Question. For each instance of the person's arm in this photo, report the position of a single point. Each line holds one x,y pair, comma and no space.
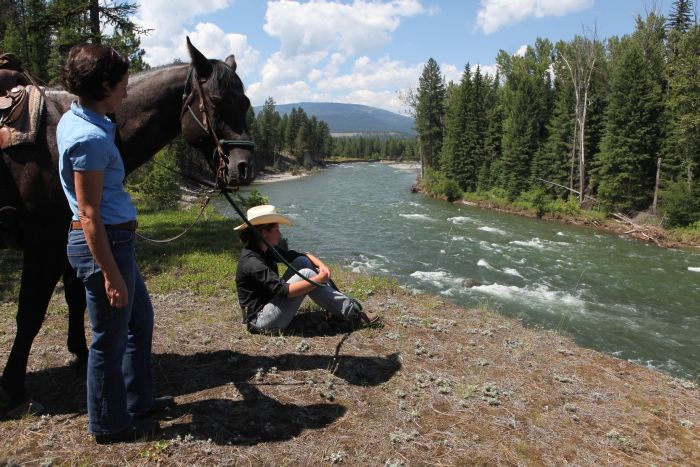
88,191
320,265
303,287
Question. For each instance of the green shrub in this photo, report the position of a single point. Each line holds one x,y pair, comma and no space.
536,199
436,184
568,207
254,198
155,184
680,205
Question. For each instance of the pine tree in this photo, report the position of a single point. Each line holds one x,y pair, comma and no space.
128,43
526,99
267,124
682,145
452,162
493,136
630,146
301,143
12,40
430,104
475,132
681,17
552,161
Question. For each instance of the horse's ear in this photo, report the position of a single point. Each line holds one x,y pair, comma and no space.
231,61
199,61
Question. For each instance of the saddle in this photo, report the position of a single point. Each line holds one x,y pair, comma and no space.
11,73
21,110
21,105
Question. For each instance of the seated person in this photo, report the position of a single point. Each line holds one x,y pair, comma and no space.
270,302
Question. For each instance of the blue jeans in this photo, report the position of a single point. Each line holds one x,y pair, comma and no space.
119,377
280,311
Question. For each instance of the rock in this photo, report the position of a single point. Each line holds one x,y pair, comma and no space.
471,282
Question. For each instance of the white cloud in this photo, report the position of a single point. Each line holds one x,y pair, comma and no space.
487,69
450,72
369,82
325,52
522,50
165,18
166,41
494,14
317,39
355,28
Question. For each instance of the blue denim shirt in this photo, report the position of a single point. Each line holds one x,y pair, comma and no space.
86,142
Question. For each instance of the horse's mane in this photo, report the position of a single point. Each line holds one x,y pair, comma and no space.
222,76
142,75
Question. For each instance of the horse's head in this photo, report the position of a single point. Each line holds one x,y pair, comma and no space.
213,117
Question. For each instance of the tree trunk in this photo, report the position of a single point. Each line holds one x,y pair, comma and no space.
656,186
574,140
582,151
95,22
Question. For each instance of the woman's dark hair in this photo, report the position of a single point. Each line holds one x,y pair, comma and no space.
90,65
247,236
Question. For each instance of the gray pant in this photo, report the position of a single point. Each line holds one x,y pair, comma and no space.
280,311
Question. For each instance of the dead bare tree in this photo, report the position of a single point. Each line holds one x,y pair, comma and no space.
581,60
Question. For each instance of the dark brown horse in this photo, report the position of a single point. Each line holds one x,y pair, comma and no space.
199,100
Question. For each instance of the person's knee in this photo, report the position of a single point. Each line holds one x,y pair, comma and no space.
307,272
301,262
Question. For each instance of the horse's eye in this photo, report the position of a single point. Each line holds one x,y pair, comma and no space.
216,99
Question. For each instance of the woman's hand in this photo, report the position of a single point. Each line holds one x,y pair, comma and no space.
322,276
117,293
88,191
323,269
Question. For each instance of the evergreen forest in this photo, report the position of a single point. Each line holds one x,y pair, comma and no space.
607,124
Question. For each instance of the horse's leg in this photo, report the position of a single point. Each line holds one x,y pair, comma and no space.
42,268
75,297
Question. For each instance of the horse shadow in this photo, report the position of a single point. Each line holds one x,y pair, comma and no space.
249,416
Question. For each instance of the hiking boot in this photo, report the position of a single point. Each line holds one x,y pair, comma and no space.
367,318
159,405
137,430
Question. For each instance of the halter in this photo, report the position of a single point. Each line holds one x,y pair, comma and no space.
219,156
219,159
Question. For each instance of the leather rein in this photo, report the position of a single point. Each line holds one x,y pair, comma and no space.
221,167
219,159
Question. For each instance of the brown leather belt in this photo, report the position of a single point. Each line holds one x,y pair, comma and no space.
131,226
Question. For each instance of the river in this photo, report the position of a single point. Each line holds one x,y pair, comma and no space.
616,295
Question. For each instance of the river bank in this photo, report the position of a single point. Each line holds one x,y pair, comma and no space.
648,233
437,383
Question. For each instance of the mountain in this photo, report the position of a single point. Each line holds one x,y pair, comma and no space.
351,119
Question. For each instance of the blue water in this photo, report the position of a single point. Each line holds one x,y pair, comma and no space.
620,296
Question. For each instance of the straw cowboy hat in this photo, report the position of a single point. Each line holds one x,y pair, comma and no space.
264,214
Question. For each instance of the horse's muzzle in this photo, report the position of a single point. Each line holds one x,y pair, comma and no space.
241,167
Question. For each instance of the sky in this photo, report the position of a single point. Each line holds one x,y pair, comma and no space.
367,51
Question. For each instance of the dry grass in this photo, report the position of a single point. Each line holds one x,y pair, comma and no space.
436,385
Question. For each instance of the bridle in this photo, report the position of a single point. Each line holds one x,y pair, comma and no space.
219,160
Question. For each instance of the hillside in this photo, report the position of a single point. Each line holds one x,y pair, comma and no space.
353,118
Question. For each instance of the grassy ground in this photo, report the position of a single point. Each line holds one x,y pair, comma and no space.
436,385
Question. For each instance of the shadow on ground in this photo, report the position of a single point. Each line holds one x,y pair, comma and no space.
315,324
249,416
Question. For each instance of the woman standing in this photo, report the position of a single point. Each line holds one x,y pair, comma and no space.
101,249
